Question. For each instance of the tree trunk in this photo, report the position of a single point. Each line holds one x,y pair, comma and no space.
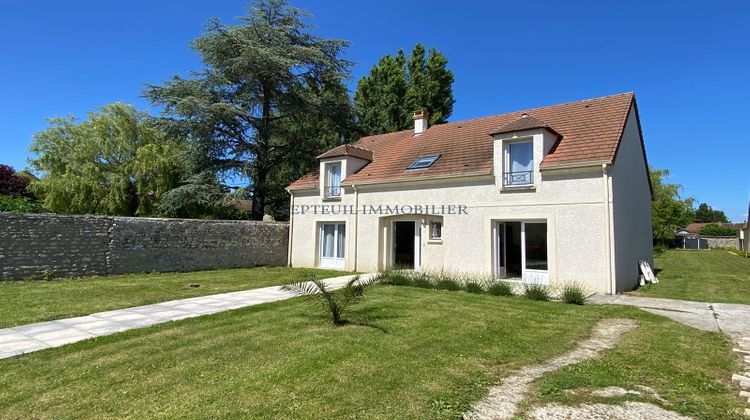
261,169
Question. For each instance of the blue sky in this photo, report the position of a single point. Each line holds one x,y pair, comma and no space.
688,63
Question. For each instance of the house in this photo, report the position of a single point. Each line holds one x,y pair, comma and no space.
704,241
548,195
694,229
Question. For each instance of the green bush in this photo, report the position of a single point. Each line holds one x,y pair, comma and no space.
714,229
573,293
447,283
500,289
474,287
535,291
18,204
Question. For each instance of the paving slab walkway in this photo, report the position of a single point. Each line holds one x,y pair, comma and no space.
33,337
731,319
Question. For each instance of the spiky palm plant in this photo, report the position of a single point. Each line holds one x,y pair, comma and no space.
334,302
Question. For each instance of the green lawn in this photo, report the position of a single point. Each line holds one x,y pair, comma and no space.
705,276
23,302
412,353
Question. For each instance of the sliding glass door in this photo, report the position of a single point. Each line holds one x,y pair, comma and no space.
521,251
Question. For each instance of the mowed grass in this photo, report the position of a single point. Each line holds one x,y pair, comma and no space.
410,353
23,302
706,276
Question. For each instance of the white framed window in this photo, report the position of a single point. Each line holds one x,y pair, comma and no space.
436,231
332,186
519,164
332,245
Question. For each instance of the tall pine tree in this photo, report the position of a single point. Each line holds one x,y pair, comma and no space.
385,99
268,90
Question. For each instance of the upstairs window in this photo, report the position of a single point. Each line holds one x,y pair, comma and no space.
332,180
519,164
423,162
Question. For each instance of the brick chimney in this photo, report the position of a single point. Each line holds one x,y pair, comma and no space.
420,121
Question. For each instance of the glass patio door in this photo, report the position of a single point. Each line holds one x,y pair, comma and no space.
332,245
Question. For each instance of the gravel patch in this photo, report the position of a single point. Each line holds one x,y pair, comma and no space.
503,399
626,411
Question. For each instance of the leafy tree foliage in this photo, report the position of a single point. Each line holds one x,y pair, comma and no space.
18,204
268,91
705,214
430,85
714,229
669,210
385,99
200,197
13,184
116,163
380,98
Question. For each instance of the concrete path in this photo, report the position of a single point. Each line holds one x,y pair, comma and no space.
731,319
32,337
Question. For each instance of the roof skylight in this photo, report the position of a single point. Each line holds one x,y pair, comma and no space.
423,162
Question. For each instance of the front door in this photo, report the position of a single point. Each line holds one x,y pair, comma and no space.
406,240
332,245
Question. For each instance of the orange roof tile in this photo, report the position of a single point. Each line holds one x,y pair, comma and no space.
590,132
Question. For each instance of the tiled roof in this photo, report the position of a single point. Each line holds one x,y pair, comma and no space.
348,150
695,228
590,132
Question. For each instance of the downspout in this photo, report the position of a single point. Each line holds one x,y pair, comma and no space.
356,220
608,235
291,229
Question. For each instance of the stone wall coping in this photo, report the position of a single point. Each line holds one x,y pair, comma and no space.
155,219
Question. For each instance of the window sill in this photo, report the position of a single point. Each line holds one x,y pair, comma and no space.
435,241
332,198
518,188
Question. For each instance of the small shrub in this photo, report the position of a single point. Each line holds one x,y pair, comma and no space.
48,274
536,292
474,287
398,278
447,283
573,293
334,302
422,280
500,289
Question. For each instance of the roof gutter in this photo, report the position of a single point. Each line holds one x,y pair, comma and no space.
608,230
595,163
356,223
291,228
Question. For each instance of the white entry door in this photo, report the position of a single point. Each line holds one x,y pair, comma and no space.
332,245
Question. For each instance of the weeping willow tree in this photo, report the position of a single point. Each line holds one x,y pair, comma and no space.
114,163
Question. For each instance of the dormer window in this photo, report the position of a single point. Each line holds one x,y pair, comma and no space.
519,164
332,188
423,162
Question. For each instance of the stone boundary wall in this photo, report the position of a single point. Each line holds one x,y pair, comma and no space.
722,241
50,245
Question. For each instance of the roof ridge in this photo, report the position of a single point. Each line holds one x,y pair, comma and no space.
539,107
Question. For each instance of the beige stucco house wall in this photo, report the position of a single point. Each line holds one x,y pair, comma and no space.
597,217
